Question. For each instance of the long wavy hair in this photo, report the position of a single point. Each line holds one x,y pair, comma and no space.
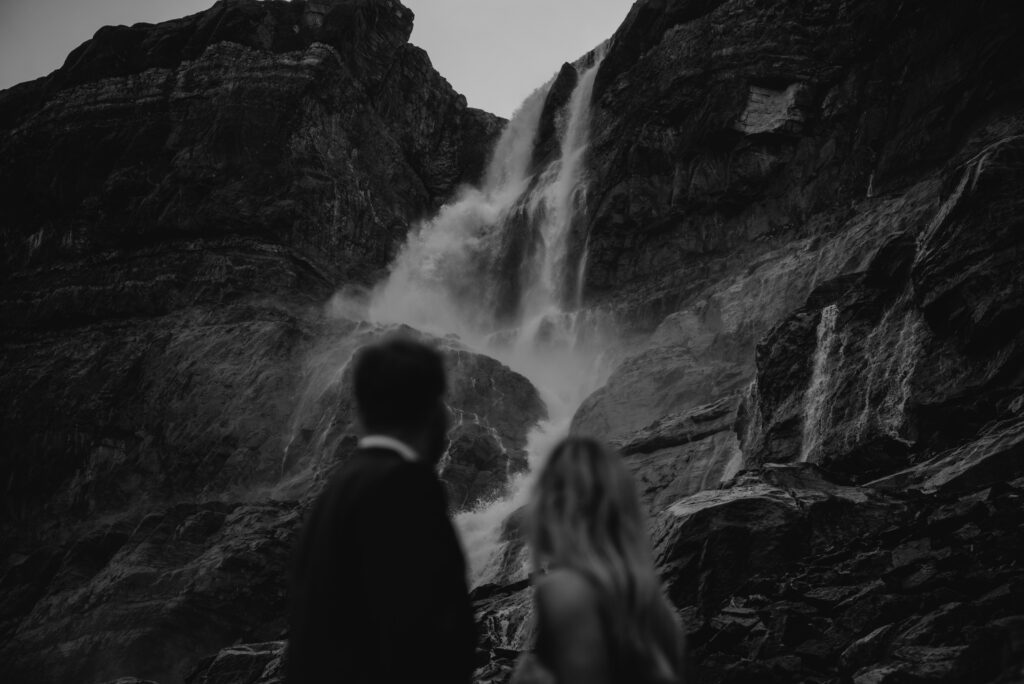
585,516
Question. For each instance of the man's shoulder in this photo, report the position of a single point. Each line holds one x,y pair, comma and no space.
378,468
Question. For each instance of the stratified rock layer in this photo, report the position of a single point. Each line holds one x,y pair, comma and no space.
238,121
181,200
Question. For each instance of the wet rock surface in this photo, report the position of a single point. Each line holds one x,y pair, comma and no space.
492,407
867,381
242,664
479,466
934,595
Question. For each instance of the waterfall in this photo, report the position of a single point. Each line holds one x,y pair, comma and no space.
562,192
496,266
442,280
448,276
816,398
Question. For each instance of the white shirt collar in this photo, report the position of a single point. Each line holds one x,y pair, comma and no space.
390,443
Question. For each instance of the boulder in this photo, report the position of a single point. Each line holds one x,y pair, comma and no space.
477,467
928,598
242,664
660,382
493,410
710,543
666,475
504,616
683,454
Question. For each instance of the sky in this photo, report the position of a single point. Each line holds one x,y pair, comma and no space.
495,52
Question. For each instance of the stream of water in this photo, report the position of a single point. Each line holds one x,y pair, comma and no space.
449,278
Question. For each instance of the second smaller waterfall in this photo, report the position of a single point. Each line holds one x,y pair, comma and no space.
816,398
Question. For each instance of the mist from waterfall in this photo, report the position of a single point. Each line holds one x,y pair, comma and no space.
453,276
440,280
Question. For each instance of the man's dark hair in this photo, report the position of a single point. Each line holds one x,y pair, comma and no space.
398,383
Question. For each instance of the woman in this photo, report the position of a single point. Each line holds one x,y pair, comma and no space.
601,615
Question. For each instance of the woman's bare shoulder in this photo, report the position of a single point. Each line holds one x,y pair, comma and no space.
566,595
571,635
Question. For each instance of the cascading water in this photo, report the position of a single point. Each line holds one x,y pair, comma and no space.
561,193
449,278
816,399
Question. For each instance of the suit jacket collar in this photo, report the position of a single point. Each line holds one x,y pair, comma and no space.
391,444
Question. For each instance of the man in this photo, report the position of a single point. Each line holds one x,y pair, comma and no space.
379,587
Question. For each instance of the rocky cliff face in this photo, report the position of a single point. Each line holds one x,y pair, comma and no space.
807,214
806,217
182,200
823,199
238,122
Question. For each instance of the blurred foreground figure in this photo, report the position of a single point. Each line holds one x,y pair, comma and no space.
379,586
601,615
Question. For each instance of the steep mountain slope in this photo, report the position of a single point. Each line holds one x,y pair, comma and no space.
182,200
810,212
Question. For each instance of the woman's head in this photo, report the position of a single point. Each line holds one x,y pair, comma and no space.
585,511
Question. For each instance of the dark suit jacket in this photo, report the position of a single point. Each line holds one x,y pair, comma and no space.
378,592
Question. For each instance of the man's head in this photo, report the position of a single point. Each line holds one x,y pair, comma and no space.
399,388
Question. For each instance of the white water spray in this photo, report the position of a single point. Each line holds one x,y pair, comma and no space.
439,282
449,278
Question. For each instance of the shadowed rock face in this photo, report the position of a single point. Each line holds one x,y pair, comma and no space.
724,129
182,199
172,540
919,355
149,596
922,593
808,214
238,121
712,542
827,217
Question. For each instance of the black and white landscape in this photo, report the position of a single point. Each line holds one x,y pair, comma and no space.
772,251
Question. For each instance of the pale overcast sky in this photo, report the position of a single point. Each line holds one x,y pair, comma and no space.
493,51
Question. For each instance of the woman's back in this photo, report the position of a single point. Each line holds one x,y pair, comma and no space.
578,641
